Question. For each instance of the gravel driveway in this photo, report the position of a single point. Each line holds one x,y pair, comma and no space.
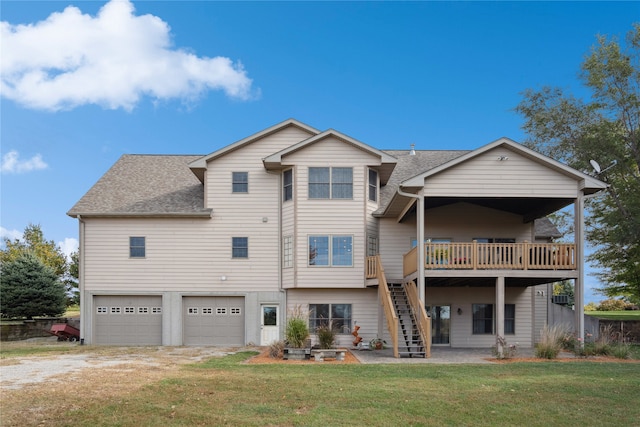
17,371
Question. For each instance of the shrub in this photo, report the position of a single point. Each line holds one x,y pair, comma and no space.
508,350
585,351
621,351
326,335
570,342
612,305
276,349
297,330
591,307
551,341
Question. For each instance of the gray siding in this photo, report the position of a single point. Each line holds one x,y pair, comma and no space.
461,324
364,305
485,176
329,216
255,215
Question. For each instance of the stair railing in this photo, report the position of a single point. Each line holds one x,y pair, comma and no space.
387,305
422,320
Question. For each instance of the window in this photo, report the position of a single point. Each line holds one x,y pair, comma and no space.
136,247
319,183
330,183
116,310
509,318
129,310
336,251
240,182
287,185
373,185
221,311
338,314
240,247
207,310
483,321
493,240
372,245
192,311
482,318
341,183
102,310
341,254
143,310
156,310
236,311
414,242
287,249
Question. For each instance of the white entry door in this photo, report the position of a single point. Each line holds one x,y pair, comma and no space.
270,324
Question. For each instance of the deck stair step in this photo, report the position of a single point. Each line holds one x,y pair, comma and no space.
410,344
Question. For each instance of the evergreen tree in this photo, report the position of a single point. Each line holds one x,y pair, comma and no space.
29,288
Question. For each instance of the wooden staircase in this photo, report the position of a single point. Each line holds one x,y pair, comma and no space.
408,323
410,343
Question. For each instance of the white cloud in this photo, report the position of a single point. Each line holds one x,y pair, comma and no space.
68,246
10,234
11,163
112,59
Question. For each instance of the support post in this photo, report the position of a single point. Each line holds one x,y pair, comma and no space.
420,242
499,315
421,252
579,282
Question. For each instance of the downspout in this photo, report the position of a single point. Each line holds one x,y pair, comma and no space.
419,240
83,307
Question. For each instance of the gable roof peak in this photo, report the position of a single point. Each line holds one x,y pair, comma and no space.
199,166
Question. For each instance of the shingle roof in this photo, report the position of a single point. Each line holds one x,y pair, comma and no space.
546,229
165,185
145,185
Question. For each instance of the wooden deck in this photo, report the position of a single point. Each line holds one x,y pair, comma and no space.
488,256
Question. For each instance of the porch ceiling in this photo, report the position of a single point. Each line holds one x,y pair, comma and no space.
486,282
529,208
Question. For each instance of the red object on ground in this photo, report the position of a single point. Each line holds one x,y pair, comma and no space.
65,332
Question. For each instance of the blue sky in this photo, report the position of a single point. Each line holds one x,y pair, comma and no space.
85,82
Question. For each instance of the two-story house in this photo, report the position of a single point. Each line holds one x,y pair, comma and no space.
216,249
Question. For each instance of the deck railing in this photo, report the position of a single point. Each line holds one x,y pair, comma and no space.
387,304
493,256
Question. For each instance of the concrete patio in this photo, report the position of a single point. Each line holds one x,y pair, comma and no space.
443,355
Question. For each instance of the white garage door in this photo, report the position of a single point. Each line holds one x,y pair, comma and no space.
127,320
213,320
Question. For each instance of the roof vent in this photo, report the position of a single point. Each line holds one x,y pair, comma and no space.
413,150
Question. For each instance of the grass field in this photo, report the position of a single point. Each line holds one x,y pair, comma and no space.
225,391
615,315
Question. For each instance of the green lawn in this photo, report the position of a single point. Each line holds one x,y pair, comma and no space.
225,391
615,315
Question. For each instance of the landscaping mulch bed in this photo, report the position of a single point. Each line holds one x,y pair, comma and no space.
596,359
264,358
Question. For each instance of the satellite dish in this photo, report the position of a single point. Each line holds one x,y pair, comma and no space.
595,165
